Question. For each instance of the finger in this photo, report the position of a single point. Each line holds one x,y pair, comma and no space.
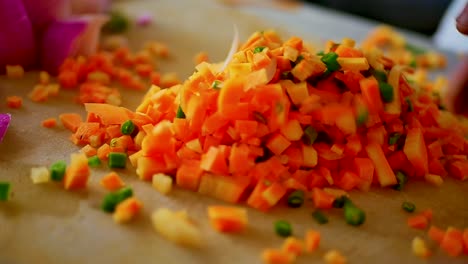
456,96
462,21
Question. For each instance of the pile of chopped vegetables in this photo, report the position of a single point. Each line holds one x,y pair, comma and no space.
278,122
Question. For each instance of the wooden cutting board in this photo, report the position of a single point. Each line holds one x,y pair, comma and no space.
45,224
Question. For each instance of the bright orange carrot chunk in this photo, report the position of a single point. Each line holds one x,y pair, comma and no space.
49,122
312,240
127,210
71,121
14,101
227,218
418,222
276,256
112,181
77,173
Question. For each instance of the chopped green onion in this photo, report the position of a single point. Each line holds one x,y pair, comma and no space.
259,117
299,59
117,160
180,113
408,207
393,139
127,127
57,170
353,215
320,217
94,161
401,181
410,104
330,61
5,189
362,117
320,53
286,75
216,84
415,49
296,199
258,49
339,201
413,63
111,200
381,76
283,228
117,23
386,92
310,135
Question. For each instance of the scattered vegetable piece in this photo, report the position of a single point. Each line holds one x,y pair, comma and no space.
312,240
420,248
127,127
418,222
14,71
176,227
49,122
5,190
180,113
353,215
334,257
283,228
277,256
112,181
57,170
452,242
408,207
228,219
162,183
320,217
40,175
293,245
127,210
77,173
296,199
14,102
118,23
401,179
111,200
94,161
117,160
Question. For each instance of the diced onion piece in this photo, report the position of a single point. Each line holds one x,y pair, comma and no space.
176,227
162,183
40,175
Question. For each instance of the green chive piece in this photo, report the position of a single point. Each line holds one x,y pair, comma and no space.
111,200
408,207
296,199
258,49
94,161
259,117
330,61
320,217
310,135
299,59
410,104
180,113
117,23
117,160
57,170
415,49
216,84
386,92
393,139
401,180
283,228
362,117
5,190
380,76
339,202
353,215
127,127
286,75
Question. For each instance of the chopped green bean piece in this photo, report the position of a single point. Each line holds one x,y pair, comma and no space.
410,104
94,161
408,207
320,217
310,135
111,200
57,170
5,190
386,92
339,202
180,113
258,49
362,117
353,215
117,160
381,76
296,199
216,84
320,53
330,61
127,127
283,228
393,139
117,23
401,181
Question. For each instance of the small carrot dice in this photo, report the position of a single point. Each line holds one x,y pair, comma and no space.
127,210
112,181
276,256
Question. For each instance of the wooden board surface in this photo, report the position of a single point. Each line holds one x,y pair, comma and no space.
45,224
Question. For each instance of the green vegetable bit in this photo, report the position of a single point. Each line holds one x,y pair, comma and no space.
353,215
362,117
413,63
259,117
408,207
94,161
299,59
339,202
415,49
393,139
57,170
283,228
127,127
386,92
111,200
258,49
320,53
5,190
296,199
180,113
320,217
381,76
401,180
410,104
117,160
330,61
216,84
310,135
118,23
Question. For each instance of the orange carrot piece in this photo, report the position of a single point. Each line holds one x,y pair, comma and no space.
436,234
112,181
465,241
322,199
293,245
428,213
312,240
49,122
127,210
71,121
103,152
452,242
227,218
418,222
77,173
276,256
68,79
14,102
88,150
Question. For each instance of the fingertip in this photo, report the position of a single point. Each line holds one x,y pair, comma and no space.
462,21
